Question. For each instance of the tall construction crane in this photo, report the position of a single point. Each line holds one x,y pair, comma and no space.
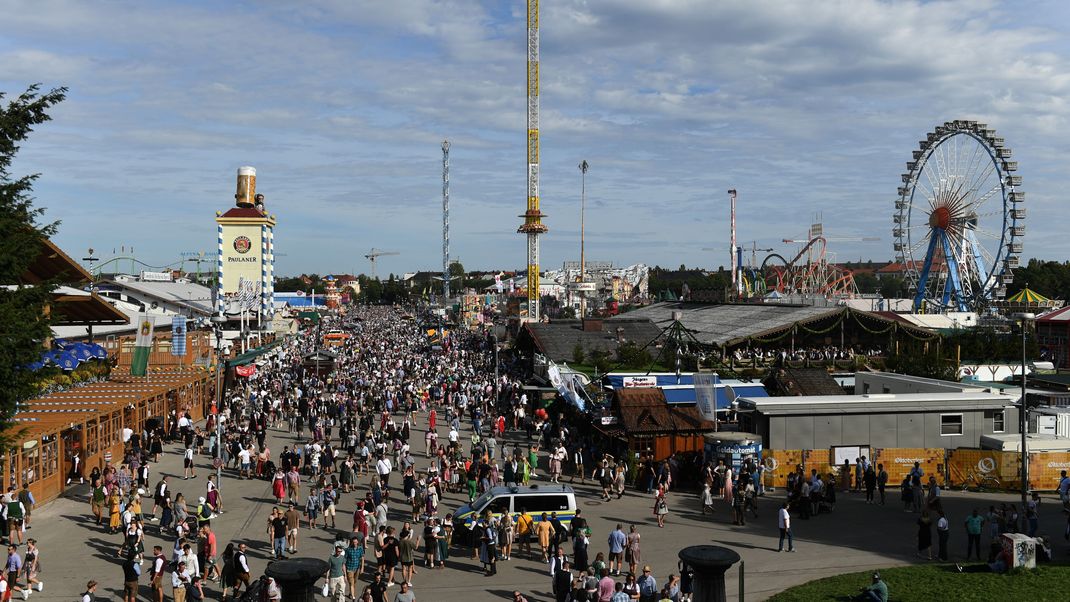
803,241
533,225
753,251
817,230
373,255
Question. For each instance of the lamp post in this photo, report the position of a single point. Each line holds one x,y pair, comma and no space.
583,205
494,341
217,322
1023,420
90,260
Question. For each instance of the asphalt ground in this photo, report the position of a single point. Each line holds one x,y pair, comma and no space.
856,536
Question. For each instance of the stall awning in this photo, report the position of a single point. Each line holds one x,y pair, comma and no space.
77,307
250,356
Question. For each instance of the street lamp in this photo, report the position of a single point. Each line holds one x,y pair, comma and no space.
494,341
583,205
217,323
1023,419
90,260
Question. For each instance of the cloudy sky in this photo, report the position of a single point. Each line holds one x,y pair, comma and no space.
807,108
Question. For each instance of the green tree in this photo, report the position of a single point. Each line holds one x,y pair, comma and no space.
1049,278
866,282
577,354
24,324
371,289
893,287
456,277
630,355
926,365
600,360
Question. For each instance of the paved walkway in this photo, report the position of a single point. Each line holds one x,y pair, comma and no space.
856,537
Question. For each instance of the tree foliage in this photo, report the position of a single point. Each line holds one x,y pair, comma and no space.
926,365
696,279
375,291
24,323
304,282
1049,278
631,356
578,354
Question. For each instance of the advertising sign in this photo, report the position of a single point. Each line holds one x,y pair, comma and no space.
637,382
156,276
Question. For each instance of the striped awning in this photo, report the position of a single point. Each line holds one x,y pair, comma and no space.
1027,295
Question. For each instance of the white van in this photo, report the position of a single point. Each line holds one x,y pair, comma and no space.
535,499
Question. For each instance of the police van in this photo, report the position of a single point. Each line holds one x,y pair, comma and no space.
536,499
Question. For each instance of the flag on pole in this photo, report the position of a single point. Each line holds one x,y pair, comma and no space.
178,335
142,345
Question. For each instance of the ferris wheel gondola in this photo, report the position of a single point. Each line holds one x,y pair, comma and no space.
959,221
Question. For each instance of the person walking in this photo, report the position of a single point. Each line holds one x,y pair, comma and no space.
31,565
617,541
632,553
562,582
1032,515
180,579
973,523
943,531
525,529
241,570
89,595
648,586
869,479
661,506
917,495
543,529
925,535
156,571
407,547
277,527
706,497
312,508
188,470
1064,490
882,481
580,543
336,574
293,525
784,525
131,574
208,551
354,556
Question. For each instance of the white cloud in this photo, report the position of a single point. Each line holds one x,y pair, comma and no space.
802,106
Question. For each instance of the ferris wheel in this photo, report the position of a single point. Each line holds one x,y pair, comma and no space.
959,220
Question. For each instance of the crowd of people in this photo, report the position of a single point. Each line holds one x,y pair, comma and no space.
348,444
823,353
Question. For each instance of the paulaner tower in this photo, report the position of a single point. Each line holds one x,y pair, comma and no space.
246,259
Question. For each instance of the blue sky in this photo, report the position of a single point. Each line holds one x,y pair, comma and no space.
341,105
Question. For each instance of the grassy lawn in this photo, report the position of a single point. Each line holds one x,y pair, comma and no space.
941,582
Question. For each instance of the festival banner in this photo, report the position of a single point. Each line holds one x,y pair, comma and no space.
178,336
142,345
706,394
